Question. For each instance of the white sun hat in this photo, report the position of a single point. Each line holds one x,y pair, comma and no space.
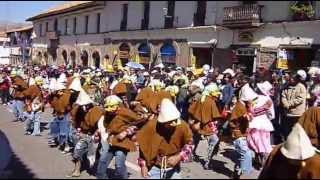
83,98
302,74
265,87
247,93
168,111
229,71
75,85
159,66
313,71
298,145
198,83
146,73
60,86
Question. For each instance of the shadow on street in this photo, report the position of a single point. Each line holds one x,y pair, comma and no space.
11,167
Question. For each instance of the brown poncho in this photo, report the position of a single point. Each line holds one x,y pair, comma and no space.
152,144
144,95
155,100
61,104
32,92
21,86
88,121
238,123
204,112
120,88
124,119
310,121
278,166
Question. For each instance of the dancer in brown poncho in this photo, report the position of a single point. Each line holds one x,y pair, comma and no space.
203,119
164,142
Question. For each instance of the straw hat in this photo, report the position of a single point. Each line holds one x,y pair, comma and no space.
265,87
247,93
168,111
298,145
83,98
112,100
229,71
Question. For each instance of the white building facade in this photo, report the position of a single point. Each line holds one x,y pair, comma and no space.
219,33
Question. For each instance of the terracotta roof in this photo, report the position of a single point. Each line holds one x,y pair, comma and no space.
61,8
25,28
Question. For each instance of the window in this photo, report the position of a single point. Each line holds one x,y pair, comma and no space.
146,12
86,24
66,26
123,25
200,15
55,26
47,26
168,54
168,23
40,29
98,23
75,25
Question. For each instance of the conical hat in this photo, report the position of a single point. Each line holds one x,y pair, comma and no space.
298,145
75,85
60,86
247,93
83,98
168,111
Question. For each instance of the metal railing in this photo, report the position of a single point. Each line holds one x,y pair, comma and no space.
244,13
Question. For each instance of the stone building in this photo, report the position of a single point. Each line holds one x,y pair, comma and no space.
219,33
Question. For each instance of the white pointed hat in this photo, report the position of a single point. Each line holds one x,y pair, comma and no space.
75,85
298,145
60,86
247,93
83,98
168,111
229,71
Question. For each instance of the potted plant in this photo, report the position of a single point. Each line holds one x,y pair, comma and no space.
302,11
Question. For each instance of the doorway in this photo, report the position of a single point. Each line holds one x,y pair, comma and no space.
246,63
203,56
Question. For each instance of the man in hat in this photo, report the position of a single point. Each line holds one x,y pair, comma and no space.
34,103
203,117
293,99
171,144
19,85
296,158
85,117
120,124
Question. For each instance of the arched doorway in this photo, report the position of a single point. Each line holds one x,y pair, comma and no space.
96,58
73,59
168,54
84,58
124,53
144,53
38,59
65,57
45,55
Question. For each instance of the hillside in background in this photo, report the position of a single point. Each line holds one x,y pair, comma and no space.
6,25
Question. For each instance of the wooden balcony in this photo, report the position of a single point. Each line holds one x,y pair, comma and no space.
52,35
244,16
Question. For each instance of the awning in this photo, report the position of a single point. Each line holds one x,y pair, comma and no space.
203,44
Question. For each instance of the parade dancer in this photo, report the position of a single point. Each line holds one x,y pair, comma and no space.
204,115
171,144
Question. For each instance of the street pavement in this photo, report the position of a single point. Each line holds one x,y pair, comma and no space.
31,157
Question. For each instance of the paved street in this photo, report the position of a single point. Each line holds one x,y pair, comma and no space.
32,158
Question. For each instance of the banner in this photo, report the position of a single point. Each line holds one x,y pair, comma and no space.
282,61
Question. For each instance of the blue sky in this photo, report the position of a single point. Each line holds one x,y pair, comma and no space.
19,11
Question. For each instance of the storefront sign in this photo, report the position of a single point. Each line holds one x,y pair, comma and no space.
282,62
245,36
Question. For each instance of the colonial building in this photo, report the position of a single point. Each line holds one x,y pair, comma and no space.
4,50
20,44
219,33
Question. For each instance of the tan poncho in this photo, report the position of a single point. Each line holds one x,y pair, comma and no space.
152,144
310,121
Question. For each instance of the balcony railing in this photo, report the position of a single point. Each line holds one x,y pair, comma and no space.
242,16
52,35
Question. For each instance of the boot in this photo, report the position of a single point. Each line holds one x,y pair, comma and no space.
76,170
